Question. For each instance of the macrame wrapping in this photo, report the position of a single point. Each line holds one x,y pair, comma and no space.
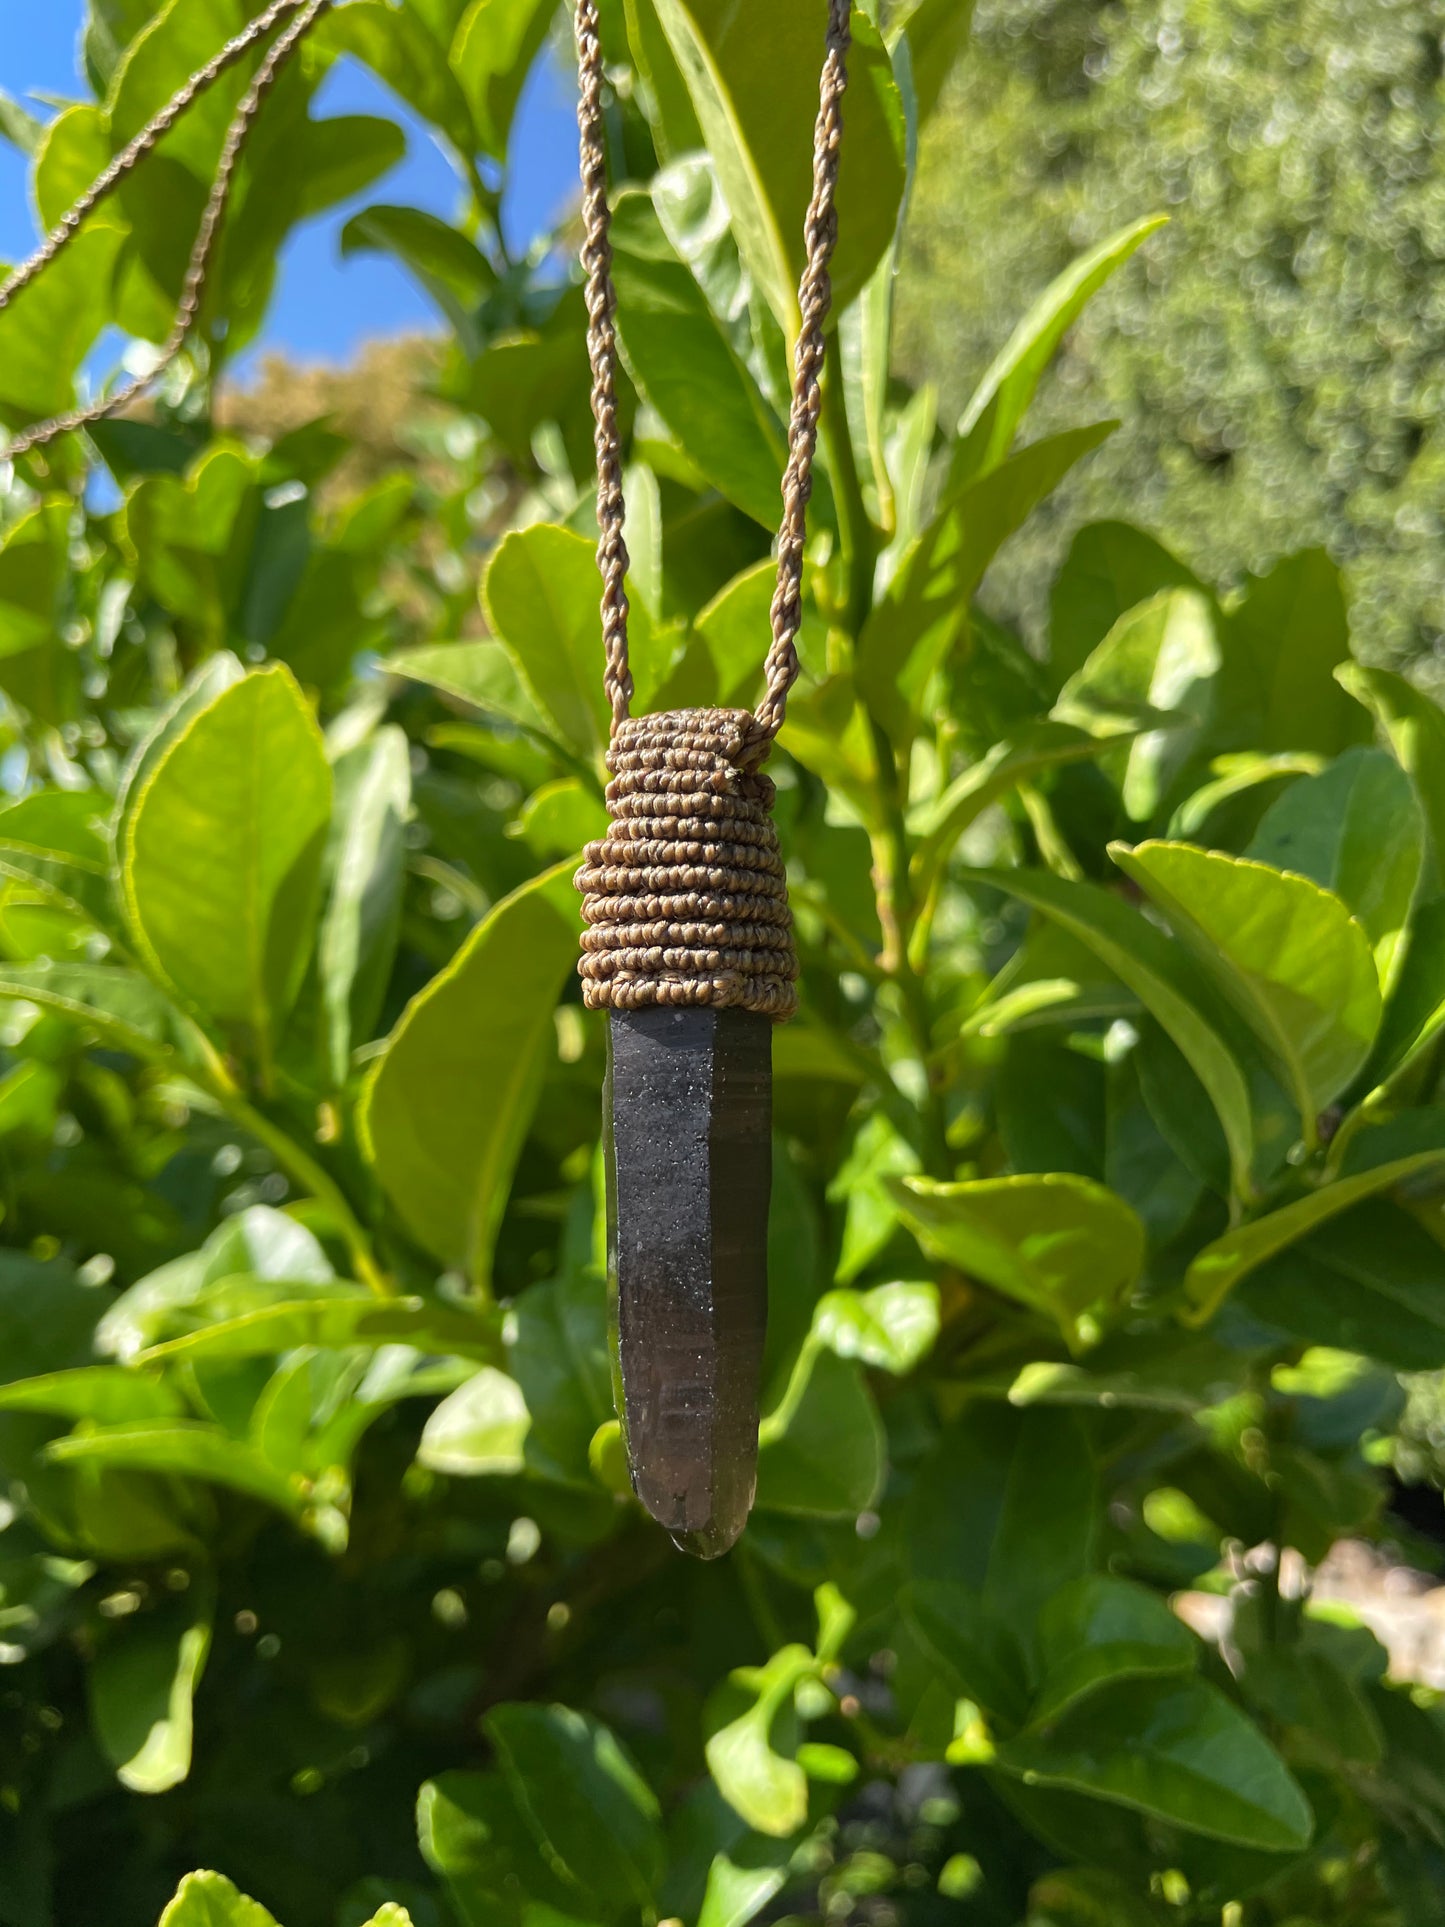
686,898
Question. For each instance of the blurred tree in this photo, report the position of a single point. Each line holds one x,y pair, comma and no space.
1277,362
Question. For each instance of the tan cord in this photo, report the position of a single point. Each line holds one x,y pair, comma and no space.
815,301
612,557
306,12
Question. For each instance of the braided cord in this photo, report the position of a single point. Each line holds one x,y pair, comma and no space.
815,301
305,13
612,556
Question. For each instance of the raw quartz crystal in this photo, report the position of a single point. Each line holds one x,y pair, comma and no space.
688,1122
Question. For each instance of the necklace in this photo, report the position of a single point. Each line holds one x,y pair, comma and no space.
689,945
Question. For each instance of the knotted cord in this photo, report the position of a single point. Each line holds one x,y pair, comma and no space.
306,13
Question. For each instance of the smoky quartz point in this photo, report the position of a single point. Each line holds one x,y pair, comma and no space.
688,1149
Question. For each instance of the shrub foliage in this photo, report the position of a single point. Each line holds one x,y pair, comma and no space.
1109,1148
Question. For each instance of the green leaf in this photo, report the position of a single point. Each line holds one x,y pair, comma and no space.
120,1007
1286,953
936,32
448,267
142,1684
471,1832
1100,1629
22,130
330,1316
186,1449
967,1640
1220,1266
1060,1244
1176,1750
891,1327
480,1429
767,1789
209,1900
1370,1282
685,365
445,1110
108,1394
740,1884
362,921
1307,1691
1110,569
496,42
1283,641
480,673
222,854
1415,1014
215,675
542,595
592,1814
1416,728
399,49
1141,957
1007,1505
915,625
1355,829
752,74
1163,655
1001,400
822,1447
1028,752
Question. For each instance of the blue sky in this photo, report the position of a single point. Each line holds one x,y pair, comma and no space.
324,307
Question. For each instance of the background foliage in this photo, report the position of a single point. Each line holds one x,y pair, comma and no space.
1276,366
1110,1139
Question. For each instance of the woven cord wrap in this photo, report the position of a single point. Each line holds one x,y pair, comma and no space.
306,13
686,898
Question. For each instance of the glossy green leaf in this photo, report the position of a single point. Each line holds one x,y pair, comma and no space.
1030,751
397,46
1006,1506
936,32
1100,1629
142,1685
891,1327
362,919
330,1315
446,1108
1111,568
1001,400
766,1788
1416,728
752,74
542,598
471,1833
1164,982
1060,1244
1165,655
1286,953
1357,830
1283,641
685,365
480,1429
223,850
495,44
120,1007
1220,1266
590,1811
913,627
451,269
1415,1014
209,1900
106,1394
970,1643
1174,1749
739,1886
1369,1281
186,1449
215,675
479,673
822,1446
